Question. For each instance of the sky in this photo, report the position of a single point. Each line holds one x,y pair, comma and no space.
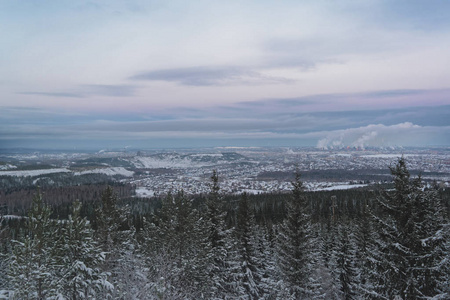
161,74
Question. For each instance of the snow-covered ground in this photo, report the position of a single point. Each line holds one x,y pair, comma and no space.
108,171
328,186
252,191
144,192
341,187
253,170
7,167
4,294
207,155
10,217
396,155
170,162
33,172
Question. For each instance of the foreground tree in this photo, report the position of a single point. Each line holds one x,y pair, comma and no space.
250,276
367,255
295,245
414,261
173,244
80,260
346,259
115,236
217,240
4,245
33,260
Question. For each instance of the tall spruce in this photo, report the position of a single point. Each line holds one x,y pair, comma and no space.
80,260
330,281
33,261
217,238
115,236
295,245
367,254
250,274
4,245
177,268
412,243
346,263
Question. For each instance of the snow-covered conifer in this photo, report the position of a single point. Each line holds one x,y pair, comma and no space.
250,274
177,266
367,256
295,245
81,276
116,237
412,245
217,238
346,260
32,263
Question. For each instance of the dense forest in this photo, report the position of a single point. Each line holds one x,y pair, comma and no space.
351,244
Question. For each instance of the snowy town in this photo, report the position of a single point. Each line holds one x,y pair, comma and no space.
251,170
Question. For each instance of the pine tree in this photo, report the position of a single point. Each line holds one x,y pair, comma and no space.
217,239
32,263
130,278
81,277
330,273
295,245
109,219
250,276
346,260
367,255
412,239
176,262
3,255
116,238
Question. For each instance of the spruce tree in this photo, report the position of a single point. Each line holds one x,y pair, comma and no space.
109,218
115,236
250,276
177,267
330,275
412,239
265,259
346,260
4,245
217,239
81,276
33,261
367,254
295,245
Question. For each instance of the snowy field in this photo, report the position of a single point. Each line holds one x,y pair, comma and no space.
33,172
397,155
144,192
108,171
170,162
7,167
340,187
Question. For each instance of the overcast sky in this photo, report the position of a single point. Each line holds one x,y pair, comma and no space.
151,74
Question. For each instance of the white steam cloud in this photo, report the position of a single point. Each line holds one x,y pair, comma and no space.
379,135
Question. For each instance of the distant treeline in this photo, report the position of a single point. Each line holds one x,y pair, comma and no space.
18,201
10,184
339,175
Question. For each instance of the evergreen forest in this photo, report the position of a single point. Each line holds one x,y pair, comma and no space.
387,243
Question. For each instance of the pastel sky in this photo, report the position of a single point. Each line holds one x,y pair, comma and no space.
158,74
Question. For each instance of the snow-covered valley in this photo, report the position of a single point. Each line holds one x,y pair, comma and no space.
251,170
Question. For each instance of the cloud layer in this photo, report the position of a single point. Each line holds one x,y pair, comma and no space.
270,122
207,76
90,90
180,73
